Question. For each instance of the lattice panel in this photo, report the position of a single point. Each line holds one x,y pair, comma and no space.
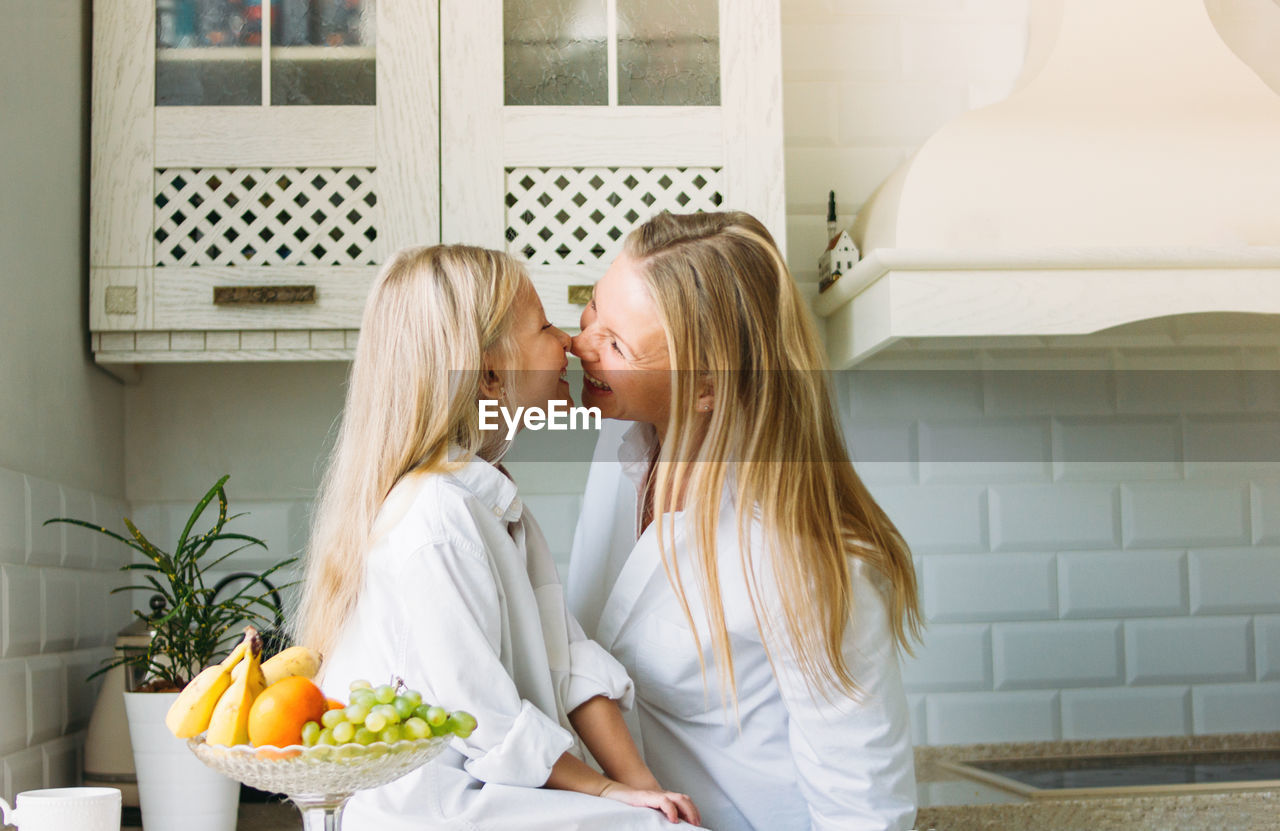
579,215
264,216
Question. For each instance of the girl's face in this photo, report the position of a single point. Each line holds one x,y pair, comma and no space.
541,358
623,347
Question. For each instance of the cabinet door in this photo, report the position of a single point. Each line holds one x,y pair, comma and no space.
565,123
236,148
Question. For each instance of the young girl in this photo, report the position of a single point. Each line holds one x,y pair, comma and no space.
727,553
424,565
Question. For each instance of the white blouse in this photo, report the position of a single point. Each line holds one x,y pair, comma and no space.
793,760
461,599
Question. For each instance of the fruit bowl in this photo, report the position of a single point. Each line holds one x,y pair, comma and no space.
319,779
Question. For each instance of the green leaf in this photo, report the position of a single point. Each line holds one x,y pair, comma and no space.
216,490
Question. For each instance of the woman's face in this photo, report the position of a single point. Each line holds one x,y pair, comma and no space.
540,359
623,347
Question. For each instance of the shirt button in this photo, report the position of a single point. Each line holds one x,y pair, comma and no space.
497,512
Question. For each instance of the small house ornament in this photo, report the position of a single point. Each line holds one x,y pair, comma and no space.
841,256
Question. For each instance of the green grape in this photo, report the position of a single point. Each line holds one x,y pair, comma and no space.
326,737
385,694
376,722
365,736
413,696
356,713
391,734
310,732
435,716
344,732
462,723
404,707
364,698
416,728
332,718
421,711
388,712
360,684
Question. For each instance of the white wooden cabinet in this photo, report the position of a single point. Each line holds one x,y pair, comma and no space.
287,209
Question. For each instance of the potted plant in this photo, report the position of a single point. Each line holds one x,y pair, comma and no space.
190,626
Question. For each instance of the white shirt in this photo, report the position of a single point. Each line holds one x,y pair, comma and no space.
460,598
800,761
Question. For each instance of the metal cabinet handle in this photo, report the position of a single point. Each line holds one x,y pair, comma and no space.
263,295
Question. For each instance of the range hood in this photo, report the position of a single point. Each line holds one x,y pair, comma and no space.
1132,175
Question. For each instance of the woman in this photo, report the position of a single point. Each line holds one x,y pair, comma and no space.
425,566
727,554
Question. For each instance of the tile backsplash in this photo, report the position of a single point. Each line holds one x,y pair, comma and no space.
58,620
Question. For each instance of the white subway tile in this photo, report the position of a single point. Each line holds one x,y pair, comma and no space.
1061,516
907,393
987,450
1117,449
1266,640
24,771
898,111
1265,511
22,620
13,692
1126,712
977,50
989,587
1235,580
270,522
14,541
80,543
1233,446
937,519
853,172
882,451
1236,708
967,718
61,762
110,514
46,540
1188,650
1013,392
1122,583
916,712
60,600
1160,515
1056,654
951,658
91,613
46,698
1168,391
867,51
82,692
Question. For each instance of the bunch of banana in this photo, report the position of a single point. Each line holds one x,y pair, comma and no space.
219,698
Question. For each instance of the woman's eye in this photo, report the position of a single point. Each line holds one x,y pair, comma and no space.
614,344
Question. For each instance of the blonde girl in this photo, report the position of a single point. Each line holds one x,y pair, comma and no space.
727,552
425,565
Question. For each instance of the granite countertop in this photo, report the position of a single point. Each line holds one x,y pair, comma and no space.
951,802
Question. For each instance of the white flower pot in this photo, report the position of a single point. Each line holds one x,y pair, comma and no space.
176,790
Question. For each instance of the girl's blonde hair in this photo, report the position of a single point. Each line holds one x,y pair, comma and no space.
435,318
737,325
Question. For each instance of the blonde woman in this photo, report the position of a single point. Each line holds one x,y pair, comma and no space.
727,553
424,565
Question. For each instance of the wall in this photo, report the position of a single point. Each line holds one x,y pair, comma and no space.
1150,578
61,439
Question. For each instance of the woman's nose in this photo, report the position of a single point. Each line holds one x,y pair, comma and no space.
581,345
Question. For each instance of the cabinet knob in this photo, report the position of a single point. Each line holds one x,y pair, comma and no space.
581,295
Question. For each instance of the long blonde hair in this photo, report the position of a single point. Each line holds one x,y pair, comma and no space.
433,317
736,323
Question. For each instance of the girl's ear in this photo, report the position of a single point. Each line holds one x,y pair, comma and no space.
491,385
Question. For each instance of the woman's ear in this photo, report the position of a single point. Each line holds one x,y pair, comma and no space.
706,396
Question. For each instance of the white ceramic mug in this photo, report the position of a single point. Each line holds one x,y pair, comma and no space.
64,809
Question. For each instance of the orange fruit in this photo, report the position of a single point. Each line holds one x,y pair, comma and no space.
334,704
279,711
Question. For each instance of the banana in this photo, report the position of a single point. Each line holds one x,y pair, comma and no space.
296,660
190,713
229,724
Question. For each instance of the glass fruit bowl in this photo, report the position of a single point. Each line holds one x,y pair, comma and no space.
319,779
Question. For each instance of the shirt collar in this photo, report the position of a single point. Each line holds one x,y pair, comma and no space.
489,484
636,451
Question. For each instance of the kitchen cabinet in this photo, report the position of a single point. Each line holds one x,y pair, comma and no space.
250,171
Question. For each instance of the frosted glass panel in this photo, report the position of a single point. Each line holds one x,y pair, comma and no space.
322,52
208,52
668,52
555,52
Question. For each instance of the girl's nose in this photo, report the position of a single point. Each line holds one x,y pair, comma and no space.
563,337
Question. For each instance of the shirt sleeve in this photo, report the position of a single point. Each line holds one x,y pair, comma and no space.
449,647
853,757
593,671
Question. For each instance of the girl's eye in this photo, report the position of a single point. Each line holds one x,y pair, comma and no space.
546,326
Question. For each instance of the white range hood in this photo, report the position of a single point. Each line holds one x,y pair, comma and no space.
1133,174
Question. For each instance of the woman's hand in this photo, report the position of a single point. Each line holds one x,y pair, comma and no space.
676,806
